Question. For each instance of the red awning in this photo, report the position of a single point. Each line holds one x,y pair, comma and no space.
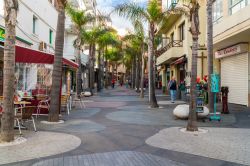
70,63
27,55
179,61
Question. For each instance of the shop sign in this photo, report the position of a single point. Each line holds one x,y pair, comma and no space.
234,50
2,34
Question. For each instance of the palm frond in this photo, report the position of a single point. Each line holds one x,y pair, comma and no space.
132,12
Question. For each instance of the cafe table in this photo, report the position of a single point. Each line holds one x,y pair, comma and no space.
27,97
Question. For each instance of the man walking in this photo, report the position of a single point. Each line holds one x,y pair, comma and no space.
172,86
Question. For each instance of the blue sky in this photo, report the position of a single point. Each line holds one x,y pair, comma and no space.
119,23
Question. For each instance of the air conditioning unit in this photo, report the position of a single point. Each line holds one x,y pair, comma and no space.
42,46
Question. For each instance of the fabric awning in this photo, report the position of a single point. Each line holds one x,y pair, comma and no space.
179,61
27,55
70,63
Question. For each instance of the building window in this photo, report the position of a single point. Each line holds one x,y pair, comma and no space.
50,36
171,3
34,30
182,31
217,10
236,5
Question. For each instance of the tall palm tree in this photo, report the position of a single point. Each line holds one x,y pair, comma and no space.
103,41
80,19
141,36
135,41
153,15
7,121
193,10
108,39
210,51
91,38
57,66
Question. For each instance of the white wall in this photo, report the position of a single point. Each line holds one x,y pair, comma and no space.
46,19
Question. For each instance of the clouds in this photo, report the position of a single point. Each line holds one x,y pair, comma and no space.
121,24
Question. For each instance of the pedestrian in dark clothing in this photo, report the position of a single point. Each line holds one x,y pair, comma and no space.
113,83
172,86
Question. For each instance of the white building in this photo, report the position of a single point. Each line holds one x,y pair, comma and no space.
34,25
232,48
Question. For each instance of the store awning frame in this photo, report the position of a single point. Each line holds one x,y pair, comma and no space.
27,55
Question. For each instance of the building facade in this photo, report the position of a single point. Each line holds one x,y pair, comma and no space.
231,47
174,55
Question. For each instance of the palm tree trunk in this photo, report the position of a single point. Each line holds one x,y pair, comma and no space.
137,77
106,74
142,72
134,72
91,68
99,81
152,98
79,72
192,118
210,52
57,68
7,121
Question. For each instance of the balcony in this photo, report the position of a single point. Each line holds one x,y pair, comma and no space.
174,43
170,52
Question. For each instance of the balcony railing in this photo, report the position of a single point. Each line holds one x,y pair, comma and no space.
174,43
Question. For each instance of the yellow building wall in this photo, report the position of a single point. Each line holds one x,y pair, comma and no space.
187,42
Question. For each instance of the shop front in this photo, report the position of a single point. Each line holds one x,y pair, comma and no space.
33,73
234,71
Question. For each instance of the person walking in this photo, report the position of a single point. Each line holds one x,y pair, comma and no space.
172,86
182,88
113,83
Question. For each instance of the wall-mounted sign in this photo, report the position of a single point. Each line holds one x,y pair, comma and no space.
234,50
2,34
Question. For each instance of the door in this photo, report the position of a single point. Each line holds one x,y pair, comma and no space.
234,74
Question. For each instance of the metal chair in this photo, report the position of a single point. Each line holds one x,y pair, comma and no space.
43,104
24,114
79,100
65,102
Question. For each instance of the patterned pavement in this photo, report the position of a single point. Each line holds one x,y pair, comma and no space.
229,144
120,158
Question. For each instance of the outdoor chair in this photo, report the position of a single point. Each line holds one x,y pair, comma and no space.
65,102
79,99
43,104
24,114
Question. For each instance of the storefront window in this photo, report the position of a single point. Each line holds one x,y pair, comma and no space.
217,10
236,5
33,79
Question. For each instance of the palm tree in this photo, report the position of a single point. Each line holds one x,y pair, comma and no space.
210,51
193,10
80,18
7,121
153,15
141,36
135,41
106,40
57,66
91,38
103,41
